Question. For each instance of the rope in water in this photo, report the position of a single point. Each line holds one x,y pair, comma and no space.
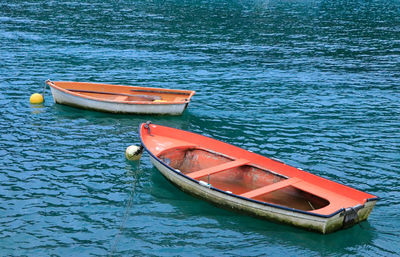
44,89
127,211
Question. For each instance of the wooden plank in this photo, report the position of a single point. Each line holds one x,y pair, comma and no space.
218,168
121,98
269,188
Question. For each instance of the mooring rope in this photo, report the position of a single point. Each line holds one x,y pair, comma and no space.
127,211
44,88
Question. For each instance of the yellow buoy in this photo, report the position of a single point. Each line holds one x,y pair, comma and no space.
133,152
159,101
36,98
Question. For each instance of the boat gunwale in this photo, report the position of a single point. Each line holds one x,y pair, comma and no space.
190,93
241,197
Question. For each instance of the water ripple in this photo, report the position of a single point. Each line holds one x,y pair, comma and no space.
313,83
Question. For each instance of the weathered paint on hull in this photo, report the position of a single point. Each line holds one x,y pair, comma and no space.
113,107
319,224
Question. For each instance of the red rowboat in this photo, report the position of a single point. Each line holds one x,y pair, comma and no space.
120,99
236,179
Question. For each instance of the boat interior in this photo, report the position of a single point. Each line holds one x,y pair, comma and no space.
119,97
124,93
138,96
241,177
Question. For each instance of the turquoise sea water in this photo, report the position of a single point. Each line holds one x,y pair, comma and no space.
313,83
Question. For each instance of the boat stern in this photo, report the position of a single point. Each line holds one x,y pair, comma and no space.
349,217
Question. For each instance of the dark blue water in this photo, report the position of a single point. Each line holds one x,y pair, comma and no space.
313,83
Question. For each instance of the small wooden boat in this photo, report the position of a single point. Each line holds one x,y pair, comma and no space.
120,99
239,180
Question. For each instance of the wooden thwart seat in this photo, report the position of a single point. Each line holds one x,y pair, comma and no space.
218,168
270,188
120,98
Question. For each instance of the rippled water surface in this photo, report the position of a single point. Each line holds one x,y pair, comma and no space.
313,83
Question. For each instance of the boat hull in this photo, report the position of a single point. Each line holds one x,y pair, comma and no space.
269,212
246,182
